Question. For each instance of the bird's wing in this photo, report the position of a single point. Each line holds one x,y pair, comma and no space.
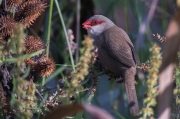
118,45
136,57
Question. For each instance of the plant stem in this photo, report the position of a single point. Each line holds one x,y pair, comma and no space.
55,74
23,57
49,27
78,28
65,31
48,33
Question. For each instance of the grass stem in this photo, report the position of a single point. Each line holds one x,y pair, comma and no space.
65,31
49,28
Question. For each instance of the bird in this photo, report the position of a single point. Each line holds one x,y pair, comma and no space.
116,52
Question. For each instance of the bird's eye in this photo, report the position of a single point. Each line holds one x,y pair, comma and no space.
95,22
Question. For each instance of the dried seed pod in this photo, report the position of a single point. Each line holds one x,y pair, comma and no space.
29,11
162,39
11,4
33,44
45,66
31,63
7,24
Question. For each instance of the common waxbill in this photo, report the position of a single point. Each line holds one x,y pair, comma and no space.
116,52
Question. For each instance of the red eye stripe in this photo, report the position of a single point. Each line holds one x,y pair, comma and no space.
92,22
95,22
87,24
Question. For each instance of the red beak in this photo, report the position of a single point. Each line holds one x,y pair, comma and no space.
87,25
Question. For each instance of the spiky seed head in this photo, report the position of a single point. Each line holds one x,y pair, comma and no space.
7,24
33,44
29,11
11,4
45,66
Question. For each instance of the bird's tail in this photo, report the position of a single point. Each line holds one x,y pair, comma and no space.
131,91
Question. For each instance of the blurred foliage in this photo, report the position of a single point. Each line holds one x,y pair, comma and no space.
23,93
152,83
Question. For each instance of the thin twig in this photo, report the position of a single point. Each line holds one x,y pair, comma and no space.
40,96
78,28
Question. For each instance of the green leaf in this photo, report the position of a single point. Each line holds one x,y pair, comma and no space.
55,74
23,57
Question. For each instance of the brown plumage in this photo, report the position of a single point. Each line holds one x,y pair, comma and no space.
116,52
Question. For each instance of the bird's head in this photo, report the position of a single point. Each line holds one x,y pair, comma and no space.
97,24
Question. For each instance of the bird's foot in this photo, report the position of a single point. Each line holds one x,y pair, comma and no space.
120,80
